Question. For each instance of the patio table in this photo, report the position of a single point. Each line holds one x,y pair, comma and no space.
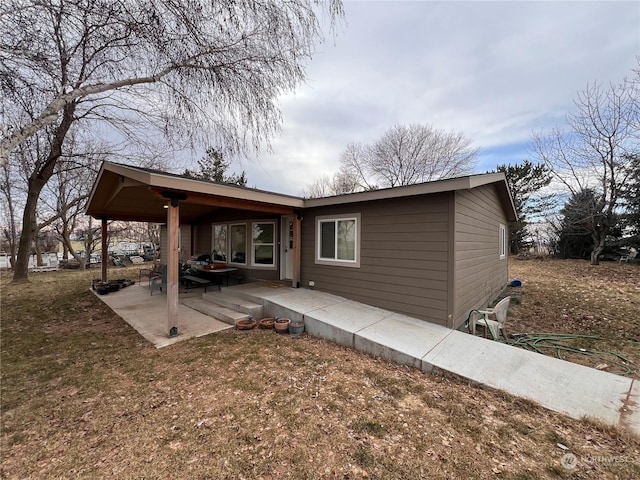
214,274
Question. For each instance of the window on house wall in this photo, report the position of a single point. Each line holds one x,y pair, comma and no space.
219,243
263,244
503,241
238,243
338,240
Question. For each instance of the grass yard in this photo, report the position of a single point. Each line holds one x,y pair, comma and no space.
84,396
574,297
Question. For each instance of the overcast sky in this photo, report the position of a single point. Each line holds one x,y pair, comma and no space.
495,71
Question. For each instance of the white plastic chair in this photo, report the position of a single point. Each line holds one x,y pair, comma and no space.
627,257
496,326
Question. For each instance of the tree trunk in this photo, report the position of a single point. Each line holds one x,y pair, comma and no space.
38,249
599,244
37,180
21,268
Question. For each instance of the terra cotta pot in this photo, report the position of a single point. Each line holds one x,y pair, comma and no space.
267,323
282,325
246,324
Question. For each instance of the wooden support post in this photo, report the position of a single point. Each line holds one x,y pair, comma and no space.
297,242
105,250
173,221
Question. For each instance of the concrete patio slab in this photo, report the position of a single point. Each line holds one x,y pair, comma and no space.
559,385
295,303
147,314
401,339
630,413
257,289
339,322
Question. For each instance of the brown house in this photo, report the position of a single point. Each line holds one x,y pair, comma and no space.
433,251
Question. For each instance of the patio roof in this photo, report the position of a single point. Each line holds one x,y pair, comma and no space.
123,192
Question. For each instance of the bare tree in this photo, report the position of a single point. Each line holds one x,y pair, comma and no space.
10,206
66,195
234,57
408,154
327,186
204,69
593,154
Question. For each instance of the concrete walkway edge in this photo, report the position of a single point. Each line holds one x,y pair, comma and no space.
561,386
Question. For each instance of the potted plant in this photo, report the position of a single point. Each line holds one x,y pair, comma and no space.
296,329
281,325
267,323
246,323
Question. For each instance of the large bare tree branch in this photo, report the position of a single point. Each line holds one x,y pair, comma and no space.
408,154
592,154
203,70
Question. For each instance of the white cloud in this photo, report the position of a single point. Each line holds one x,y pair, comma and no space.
495,71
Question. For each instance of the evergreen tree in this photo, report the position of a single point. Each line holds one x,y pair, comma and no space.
213,168
631,196
578,216
525,181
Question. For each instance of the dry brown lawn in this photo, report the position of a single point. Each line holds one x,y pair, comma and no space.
84,396
574,297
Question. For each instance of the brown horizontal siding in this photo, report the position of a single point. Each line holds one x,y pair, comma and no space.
436,264
203,238
430,228
185,243
403,256
409,245
395,254
479,272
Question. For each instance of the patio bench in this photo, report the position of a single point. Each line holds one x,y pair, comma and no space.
201,282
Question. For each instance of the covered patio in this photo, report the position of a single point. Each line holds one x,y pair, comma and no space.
144,313
190,208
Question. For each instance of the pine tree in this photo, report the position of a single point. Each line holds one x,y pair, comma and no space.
525,181
213,168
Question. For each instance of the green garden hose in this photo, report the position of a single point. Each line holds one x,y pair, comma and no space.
537,342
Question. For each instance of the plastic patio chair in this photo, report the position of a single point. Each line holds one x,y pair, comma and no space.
497,326
627,257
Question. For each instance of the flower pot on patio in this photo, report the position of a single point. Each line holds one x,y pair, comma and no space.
267,323
296,328
246,324
282,325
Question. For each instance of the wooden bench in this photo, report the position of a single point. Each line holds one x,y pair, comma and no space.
201,282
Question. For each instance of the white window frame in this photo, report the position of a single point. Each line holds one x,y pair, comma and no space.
273,245
246,244
318,240
502,239
213,242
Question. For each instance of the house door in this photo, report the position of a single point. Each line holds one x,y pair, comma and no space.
286,247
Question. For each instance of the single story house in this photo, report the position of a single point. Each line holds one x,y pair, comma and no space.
433,251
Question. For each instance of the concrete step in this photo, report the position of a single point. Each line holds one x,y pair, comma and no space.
234,302
226,315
